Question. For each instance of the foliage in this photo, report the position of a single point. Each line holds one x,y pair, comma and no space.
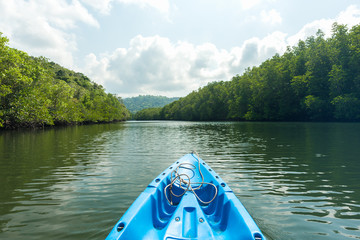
36,92
193,107
138,103
148,114
316,80
347,107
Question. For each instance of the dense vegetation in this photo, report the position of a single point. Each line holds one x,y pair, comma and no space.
317,80
149,114
35,92
135,104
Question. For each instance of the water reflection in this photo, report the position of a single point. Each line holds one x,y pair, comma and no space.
298,180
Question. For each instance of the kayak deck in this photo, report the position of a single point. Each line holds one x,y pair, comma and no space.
187,201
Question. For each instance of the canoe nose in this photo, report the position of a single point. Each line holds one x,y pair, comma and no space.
188,173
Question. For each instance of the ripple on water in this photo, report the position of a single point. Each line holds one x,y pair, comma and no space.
297,180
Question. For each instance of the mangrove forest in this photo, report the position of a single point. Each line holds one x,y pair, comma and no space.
316,80
35,92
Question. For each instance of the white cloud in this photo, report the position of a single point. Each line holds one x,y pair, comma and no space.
350,17
310,29
161,5
43,27
105,6
248,4
271,17
150,65
254,51
155,65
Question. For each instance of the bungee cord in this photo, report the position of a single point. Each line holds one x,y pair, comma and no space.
184,182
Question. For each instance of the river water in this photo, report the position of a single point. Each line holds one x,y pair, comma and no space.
297,180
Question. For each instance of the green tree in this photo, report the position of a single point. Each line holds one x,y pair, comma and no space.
318,80
347,108
36,92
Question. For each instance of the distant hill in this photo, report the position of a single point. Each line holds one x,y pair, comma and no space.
140,102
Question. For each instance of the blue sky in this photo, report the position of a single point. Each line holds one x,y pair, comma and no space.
165,47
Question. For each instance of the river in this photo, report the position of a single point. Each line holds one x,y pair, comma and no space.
297,180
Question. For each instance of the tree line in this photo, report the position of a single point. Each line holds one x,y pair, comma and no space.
36,92
135,104
316,80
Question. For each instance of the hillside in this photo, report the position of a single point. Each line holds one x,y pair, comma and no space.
317,80
35,92
135,104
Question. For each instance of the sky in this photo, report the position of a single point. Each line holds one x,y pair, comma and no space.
165,47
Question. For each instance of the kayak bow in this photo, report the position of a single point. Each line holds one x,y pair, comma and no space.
187,201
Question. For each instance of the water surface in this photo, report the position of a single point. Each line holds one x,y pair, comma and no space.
297,180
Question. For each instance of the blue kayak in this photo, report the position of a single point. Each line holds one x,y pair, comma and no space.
187,201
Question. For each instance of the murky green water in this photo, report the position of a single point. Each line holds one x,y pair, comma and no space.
297,180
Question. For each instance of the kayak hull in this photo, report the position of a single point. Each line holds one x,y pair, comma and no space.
173,210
